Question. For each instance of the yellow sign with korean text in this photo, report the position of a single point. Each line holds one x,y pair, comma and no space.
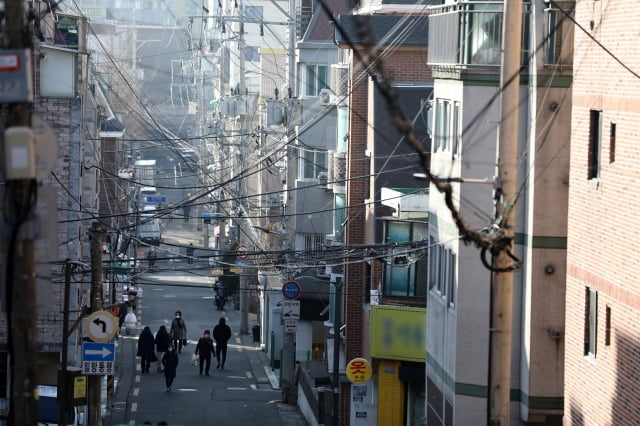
358,371
79,387
398,333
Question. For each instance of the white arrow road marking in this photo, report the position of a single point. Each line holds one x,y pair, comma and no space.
104,352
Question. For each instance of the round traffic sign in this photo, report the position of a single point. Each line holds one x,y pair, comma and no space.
358,371
291,290
101,326
242,252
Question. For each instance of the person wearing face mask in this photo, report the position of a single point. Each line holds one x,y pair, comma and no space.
178,332
170,364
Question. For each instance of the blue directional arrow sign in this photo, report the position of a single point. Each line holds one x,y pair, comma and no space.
93,351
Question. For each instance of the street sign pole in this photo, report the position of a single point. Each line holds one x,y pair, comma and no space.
291,292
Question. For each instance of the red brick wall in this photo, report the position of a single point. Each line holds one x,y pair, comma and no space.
603,245
401,66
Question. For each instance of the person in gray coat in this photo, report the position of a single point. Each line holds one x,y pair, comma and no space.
178,332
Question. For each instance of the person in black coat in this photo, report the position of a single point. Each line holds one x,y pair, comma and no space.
190,251
163,340
205,349
146,349
170,364
222,334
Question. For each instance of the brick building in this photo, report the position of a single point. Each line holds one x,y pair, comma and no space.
379,161
602,355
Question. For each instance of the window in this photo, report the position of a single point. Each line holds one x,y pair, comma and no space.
340,214
607,327
455,133
66,31
595,126
551,18
433,262
612,142
312,163
556,30
447,126
314,79
405,274
591,322
253,13
451,283
440,131
442,271
312,246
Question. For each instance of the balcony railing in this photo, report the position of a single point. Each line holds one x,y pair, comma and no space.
469,34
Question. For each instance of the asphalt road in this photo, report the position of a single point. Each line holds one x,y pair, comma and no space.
241,394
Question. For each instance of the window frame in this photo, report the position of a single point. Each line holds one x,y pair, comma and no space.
312,81
446,132
595,144
456,137
415,271
591,323
318,163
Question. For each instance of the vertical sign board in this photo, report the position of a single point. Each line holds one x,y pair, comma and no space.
290,325
363,410
291,309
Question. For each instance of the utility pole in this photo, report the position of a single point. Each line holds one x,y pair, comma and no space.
63,387
94,382
20,193
289,339
502,282
244,299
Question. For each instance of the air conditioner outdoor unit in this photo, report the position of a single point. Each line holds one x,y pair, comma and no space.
325,97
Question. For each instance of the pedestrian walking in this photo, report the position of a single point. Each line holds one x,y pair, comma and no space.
122,314
222,334
151,258
146,349
205,349
178,332
190,251
185,211
170,364
163,340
